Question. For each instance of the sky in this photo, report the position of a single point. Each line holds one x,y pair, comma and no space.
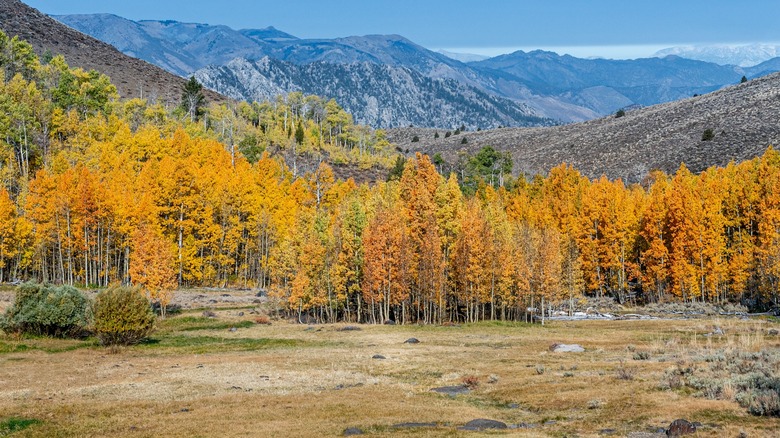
583,28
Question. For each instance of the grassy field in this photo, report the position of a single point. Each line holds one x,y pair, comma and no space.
227,376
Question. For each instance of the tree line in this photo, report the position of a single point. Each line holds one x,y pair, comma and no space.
94,189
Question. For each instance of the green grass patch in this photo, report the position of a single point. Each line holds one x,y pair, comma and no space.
15,424
215,344
503,324
193,323
13,347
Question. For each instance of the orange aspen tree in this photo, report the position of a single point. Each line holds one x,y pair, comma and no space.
151,266
386,248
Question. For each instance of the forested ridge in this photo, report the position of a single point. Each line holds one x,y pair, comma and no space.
93,186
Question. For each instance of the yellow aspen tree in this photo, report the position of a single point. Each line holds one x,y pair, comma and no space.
654,233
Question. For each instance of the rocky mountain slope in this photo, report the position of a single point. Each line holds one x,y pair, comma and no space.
378,95
132,77
558,87
743,119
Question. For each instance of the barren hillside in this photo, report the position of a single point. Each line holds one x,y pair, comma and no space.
743,119
132,77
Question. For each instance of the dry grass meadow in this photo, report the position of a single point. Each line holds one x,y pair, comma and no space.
199,378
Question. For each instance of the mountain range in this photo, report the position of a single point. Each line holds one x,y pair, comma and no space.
742,118
538,86
743,55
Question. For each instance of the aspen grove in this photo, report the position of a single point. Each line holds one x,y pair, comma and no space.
88,183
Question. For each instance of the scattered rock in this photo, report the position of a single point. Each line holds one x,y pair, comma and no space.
566,348
378,356
351,431
412,341
680,427
717,331
209,314
226,295
526,426
414,425
483,424
350,328
452,390
389,322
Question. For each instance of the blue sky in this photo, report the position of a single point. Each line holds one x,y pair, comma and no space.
608,28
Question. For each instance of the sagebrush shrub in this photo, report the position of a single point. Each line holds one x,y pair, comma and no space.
44,309
123,316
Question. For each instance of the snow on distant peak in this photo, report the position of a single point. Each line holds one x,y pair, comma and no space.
745,55
463,57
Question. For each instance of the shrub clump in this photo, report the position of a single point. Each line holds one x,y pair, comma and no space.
748,378
47,310
123,316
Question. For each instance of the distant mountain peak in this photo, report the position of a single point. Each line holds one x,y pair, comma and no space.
463,57
743,55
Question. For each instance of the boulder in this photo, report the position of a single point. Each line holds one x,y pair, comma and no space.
680,427
351,431
412,341
566,348
452,390
483,424
378,356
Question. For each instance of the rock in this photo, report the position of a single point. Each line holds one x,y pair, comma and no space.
232,329
452,390
412,341
240,313
389,322
680,427
209,314
483,424
378,356
607,432
773,332
350,328
351,431
566,348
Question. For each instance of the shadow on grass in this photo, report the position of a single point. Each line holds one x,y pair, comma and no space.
48,345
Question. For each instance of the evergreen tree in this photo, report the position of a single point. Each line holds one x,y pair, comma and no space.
192,99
